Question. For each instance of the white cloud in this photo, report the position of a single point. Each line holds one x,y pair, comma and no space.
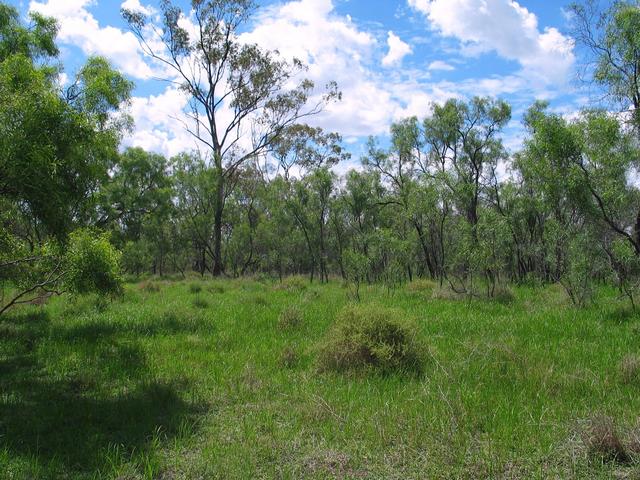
506,27
397,50
336,48
79,27
441,65
135,6
159,125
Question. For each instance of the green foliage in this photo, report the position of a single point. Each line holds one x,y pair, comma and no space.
372,337
357,268
136,257
93,264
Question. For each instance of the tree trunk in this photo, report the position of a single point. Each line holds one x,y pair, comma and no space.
218,267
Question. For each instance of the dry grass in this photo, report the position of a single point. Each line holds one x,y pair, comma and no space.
290,317
149,287
630,369
603,441
289,358
421,286
293,283
445,293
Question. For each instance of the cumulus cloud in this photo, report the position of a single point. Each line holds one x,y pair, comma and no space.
335,47
506,27
159,125
397,50
79,27
441,65
136,6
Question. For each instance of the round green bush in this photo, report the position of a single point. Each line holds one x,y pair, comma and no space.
371,337
93,264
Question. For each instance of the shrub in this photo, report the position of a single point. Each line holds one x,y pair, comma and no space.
630,369
290,317
195,288
93,264
603,442
372,337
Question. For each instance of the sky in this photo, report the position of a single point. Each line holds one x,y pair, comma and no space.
391,59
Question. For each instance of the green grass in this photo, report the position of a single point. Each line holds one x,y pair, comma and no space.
176,384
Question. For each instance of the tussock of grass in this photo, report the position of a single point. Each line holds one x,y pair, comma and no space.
289,358
372,337
195,288
200,302
149,287
603,441
260,300
292,283
445,293
504,296
217,289
290,317
630,369
421,286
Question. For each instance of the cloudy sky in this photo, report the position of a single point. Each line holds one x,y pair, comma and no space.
391,58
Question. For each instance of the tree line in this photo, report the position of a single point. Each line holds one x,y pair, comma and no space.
442,198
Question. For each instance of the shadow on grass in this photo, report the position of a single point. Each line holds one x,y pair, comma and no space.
70,419
622,315
168,323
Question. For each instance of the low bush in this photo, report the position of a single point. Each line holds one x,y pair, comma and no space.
195,288
372,337
290,317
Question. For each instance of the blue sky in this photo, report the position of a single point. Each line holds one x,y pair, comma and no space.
391,58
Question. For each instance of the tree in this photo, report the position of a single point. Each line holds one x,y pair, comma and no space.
308,148
139,186
463,143
610,39
56,150
240,102
463,150
63,143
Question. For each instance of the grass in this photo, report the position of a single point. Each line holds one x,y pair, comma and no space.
157,386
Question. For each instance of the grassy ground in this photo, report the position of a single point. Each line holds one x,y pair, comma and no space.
198,380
